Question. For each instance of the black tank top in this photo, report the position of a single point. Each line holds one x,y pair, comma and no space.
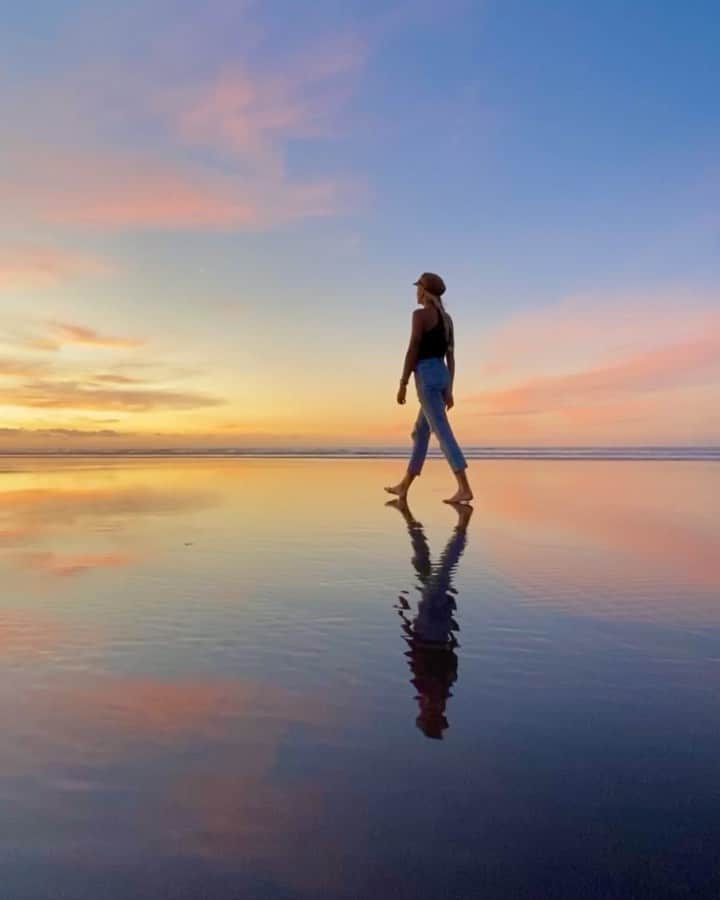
433,342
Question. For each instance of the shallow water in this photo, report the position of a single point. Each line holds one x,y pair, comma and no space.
250,678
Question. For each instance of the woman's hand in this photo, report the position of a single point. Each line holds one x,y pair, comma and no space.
449,399
401,393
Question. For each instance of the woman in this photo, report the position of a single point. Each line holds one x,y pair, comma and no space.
431,341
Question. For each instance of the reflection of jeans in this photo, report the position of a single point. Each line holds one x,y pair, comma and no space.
434,621
431,380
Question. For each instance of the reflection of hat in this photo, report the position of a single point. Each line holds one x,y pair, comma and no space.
432,283
434,667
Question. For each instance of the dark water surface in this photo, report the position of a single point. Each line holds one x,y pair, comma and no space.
250,679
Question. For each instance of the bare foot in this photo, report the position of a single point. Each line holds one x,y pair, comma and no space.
460,496
400,490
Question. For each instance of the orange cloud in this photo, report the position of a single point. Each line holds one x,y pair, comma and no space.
113,378
77,395
69,333
14,535
19,368
53,335
32,267
49,433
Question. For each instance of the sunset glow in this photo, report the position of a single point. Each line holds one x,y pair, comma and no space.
211,218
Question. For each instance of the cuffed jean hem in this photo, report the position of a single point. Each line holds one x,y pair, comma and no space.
431,380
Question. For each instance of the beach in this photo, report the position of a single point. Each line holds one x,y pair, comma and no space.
250,677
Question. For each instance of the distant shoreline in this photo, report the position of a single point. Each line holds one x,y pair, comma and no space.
529,453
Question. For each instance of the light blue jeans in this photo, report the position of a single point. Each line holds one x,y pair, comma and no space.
431,380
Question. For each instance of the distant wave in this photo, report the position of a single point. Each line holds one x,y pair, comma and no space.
550,453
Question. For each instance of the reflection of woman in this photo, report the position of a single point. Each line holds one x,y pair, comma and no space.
432,341
430,635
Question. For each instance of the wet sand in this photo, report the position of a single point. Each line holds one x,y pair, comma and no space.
251,677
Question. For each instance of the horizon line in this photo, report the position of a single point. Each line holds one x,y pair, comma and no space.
559,451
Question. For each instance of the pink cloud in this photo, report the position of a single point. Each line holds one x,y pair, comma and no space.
246,116
687,363
253,114
599,327
108,190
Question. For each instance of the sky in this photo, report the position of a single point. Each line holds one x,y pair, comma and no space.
211,217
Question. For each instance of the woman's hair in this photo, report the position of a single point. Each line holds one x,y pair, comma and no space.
436,301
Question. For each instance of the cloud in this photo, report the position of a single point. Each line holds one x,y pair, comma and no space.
75,395
252,115
113,378
598,327
111,191
632,368
69,333
123,195
27,267
140,120
242,118
39,386
20,368
58,432
53,335
687,363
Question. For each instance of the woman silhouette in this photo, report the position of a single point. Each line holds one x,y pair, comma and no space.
430,636
432,340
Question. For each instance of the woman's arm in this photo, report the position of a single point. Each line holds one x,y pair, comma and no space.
451,367
412,353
